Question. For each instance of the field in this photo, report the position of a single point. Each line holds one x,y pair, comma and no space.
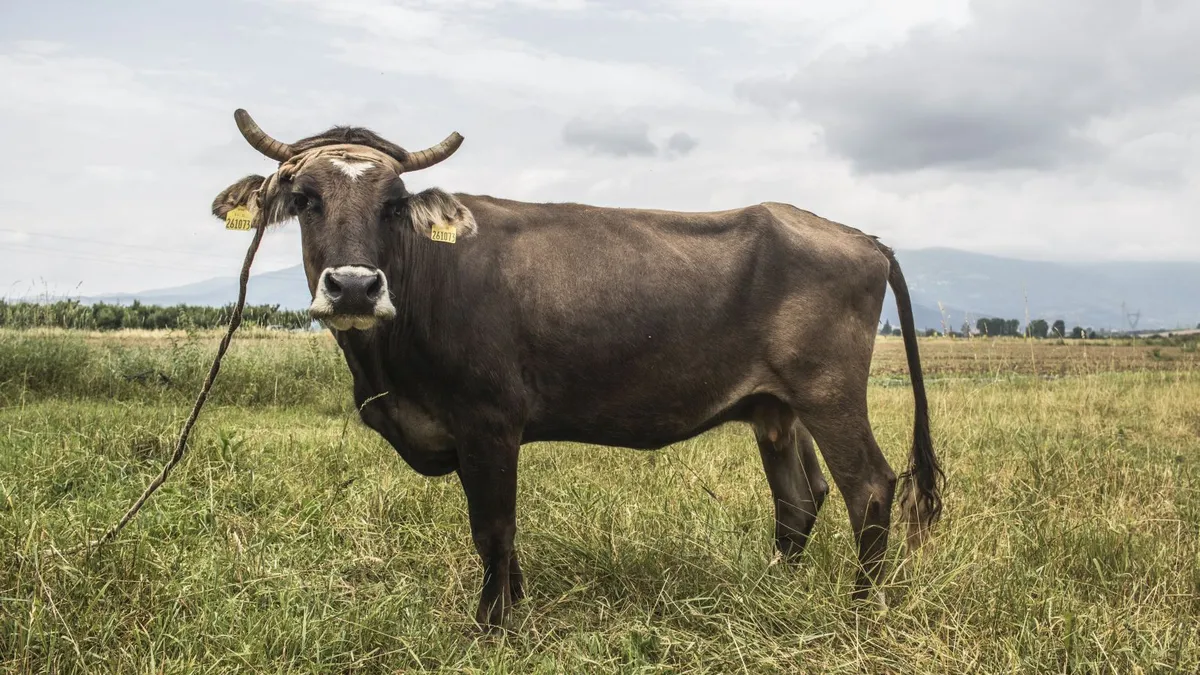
291,539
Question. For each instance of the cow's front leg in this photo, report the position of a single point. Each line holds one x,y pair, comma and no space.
488,471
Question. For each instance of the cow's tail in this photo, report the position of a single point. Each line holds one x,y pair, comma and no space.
919,485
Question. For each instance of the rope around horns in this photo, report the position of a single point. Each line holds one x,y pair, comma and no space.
181,447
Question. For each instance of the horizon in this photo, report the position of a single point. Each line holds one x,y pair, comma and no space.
257,271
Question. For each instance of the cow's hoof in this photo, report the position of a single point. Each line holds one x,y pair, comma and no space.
493,617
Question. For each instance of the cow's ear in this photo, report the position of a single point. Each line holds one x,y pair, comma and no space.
236,195
240,193
434,208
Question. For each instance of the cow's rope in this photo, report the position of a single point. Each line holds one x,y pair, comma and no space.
181,447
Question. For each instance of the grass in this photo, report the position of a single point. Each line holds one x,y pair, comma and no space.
291,539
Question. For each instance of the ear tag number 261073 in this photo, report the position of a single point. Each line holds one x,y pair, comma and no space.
239,218
444,233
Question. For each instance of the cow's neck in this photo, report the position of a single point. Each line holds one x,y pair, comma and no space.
424,285
412,346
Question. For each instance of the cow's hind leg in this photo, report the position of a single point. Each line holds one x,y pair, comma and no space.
863,476
798,487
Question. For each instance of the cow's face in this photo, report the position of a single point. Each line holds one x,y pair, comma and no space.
345,189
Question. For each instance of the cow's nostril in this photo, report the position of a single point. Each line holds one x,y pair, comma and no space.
332,285
374,287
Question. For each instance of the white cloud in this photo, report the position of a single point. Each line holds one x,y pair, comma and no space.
808,28
41,47
446,45
38,81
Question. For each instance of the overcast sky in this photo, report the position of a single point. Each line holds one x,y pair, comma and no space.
1049,130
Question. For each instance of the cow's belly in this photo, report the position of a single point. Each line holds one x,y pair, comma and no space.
647,412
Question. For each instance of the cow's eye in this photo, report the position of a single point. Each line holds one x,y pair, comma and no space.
396,209
302,202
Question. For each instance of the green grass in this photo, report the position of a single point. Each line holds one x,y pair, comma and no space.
291,539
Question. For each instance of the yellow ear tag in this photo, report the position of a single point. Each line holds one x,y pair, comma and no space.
239,218
443,233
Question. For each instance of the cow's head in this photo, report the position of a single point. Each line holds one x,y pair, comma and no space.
345,188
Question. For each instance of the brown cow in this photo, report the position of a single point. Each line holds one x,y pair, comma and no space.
474,324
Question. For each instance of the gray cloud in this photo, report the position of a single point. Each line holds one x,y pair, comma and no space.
681,143
1021,86
623,137
616,137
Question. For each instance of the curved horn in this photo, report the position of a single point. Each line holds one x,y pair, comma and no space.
259,140
423,159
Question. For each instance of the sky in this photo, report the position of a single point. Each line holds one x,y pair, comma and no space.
1061,130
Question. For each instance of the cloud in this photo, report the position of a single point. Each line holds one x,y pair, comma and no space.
623,137
1021,86
616,137
681,143
42,47
445,42
39,79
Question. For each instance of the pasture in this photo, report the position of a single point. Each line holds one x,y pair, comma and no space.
292,539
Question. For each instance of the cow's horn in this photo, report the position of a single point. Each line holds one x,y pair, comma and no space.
423,159
259,140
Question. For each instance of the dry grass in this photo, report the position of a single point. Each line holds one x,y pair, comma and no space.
290,540
999,357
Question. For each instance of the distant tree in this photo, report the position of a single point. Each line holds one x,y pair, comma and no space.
1076,333
931,332
1037,328
887,328
1059,329
995,327
897,332
71,314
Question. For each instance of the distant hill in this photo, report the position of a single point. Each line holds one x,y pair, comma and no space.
969,286
286,287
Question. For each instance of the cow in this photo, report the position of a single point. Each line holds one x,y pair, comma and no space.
473,325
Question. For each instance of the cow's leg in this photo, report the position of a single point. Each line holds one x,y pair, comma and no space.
798,487
516,579
864,478
488,471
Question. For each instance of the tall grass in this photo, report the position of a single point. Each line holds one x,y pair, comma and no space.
305,369
292,541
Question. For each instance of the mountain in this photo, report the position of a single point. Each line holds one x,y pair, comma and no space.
286,287
1108,295
968,285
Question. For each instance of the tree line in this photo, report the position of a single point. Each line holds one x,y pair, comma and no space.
998,327
73,314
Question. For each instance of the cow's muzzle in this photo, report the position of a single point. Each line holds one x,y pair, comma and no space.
352,296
